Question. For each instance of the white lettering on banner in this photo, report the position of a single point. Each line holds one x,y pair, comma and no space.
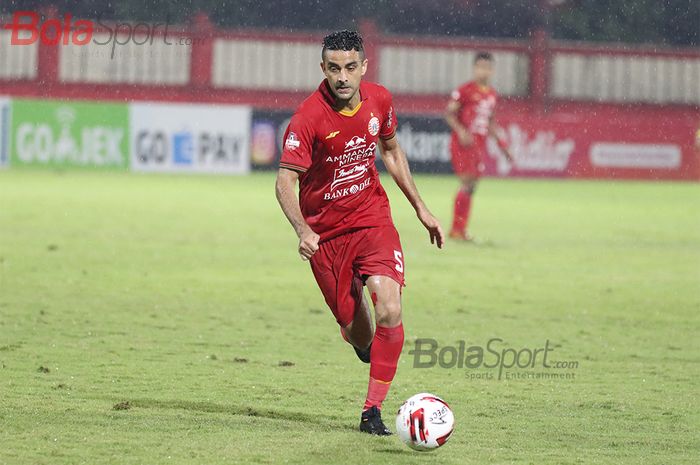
541,152
191,138
615,155
424,146
99,145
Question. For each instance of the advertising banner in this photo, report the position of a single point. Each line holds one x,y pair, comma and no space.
551,145
69,134
266,138
603,145
190,138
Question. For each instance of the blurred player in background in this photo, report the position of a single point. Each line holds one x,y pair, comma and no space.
470,114
342,215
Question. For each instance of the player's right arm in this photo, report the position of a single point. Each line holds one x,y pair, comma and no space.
296,159
452,118
285,189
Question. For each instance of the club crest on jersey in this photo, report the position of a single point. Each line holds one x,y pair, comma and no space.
292,142
373,126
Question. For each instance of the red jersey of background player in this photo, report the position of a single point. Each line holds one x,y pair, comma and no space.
477,104
339,189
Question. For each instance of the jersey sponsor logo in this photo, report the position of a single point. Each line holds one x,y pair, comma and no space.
355,143
356,149
349,174
292,142
353,155
332,135
352,190
483,112
373,126
389,117
352,172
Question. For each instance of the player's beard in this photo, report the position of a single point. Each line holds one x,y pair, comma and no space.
343,99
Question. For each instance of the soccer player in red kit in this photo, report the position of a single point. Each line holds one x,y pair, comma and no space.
470,115
342,215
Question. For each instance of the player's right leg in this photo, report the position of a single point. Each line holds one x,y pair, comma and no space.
360,331
466,163
343,292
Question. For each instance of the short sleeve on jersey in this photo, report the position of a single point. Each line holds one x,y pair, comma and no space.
389,123
297,144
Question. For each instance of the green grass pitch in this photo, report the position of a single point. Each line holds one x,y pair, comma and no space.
183,300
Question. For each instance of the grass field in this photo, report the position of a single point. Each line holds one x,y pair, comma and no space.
185,297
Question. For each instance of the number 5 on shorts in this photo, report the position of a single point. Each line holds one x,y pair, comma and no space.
398,256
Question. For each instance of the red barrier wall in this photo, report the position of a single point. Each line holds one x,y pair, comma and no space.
599,141
538,122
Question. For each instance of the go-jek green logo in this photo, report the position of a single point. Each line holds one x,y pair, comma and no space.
70,134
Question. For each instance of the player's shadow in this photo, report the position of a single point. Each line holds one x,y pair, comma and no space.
315,419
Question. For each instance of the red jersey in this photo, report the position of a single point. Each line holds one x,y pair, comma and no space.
339,189
477,104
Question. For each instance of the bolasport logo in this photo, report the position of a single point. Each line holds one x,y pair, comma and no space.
30,27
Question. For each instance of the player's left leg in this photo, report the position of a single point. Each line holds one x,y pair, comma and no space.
388,338
462,206
379,259
385,351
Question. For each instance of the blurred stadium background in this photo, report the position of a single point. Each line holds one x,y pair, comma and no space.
592,88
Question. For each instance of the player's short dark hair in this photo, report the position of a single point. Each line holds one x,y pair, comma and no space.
343,40
483,56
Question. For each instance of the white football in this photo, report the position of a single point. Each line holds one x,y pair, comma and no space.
425,422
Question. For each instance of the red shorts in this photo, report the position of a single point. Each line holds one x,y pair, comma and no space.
468,160
343,263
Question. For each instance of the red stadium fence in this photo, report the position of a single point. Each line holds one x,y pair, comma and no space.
568,109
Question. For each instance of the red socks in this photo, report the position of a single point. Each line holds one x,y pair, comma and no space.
463,203
384,357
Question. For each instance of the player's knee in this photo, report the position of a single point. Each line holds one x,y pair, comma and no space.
388,313
468,185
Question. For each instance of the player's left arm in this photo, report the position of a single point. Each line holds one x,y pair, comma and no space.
496,132
397,165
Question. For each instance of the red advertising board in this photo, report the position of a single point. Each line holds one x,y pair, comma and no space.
598,142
